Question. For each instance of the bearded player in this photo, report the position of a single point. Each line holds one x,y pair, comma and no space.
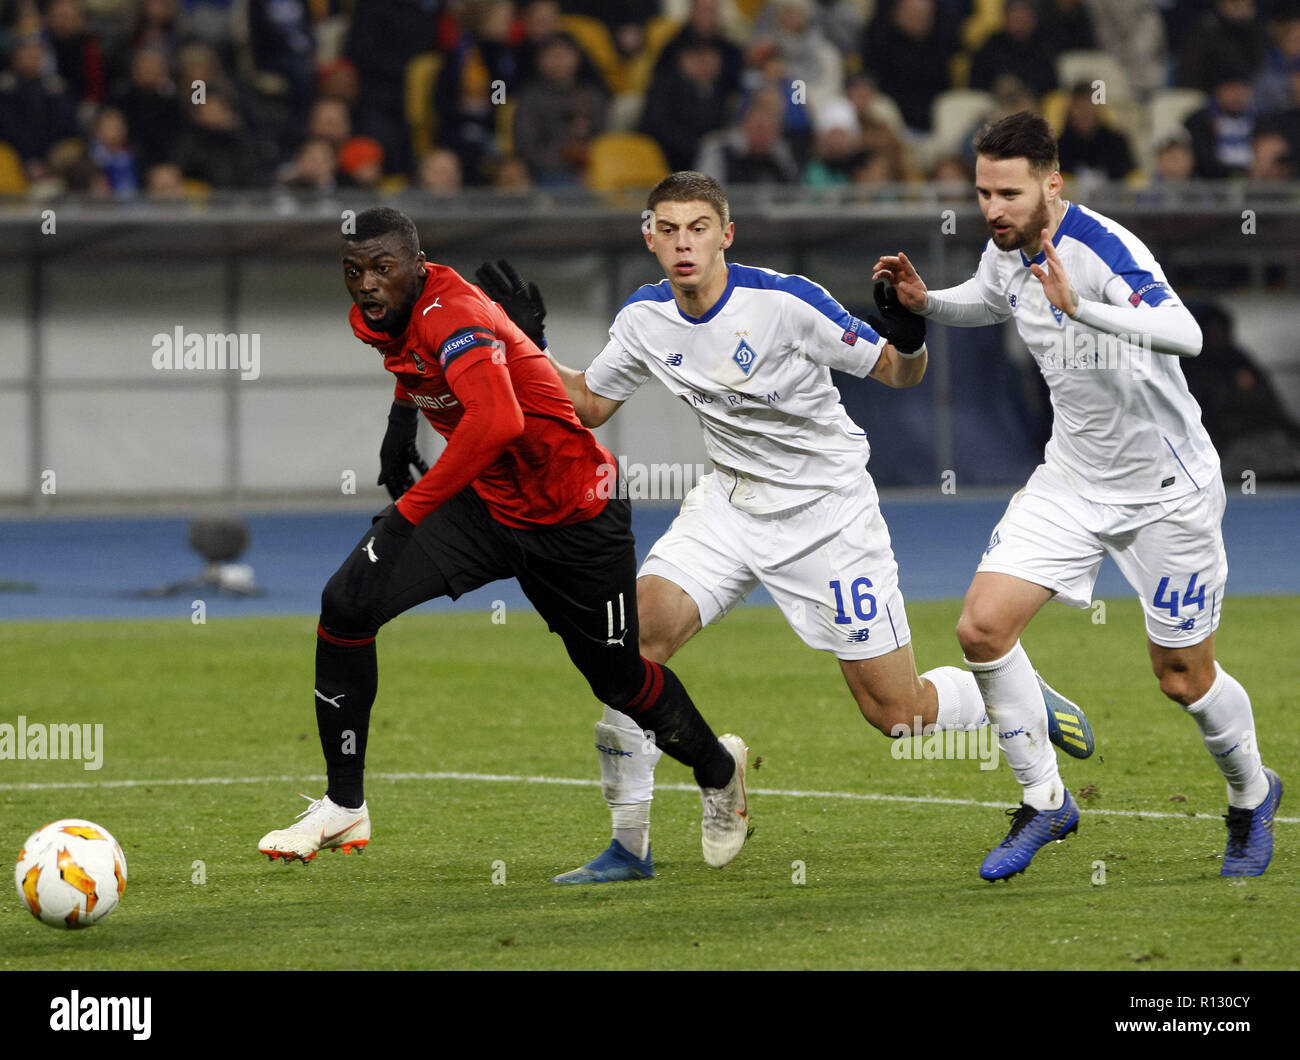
514,494
790,505
1129,471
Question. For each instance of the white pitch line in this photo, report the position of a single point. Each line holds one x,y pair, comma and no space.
582,782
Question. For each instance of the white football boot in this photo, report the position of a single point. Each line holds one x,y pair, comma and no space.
725,825
323,825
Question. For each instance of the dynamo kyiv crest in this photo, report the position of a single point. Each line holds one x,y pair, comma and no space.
744,356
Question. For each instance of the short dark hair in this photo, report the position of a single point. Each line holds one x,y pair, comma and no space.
689,185
1023,135
379,221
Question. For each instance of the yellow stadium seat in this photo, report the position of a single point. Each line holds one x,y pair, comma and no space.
1055,107
13,181
196,190
959,70
505,131
638,71
421,118
623,161
594,39
988,17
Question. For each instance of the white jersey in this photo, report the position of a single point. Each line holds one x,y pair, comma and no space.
756,370
1126,428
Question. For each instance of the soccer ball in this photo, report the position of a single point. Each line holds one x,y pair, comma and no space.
71,873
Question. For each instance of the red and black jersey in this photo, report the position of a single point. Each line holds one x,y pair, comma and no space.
510,427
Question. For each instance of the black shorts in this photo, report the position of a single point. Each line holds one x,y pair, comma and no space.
581,578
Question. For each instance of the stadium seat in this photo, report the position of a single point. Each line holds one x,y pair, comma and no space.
1169,108
987,18
1073,67
196,190
623,161
1055,107
959,70
331,36
13,181
952,115
624,112
886,110
505,131
421,118
638,70
593,38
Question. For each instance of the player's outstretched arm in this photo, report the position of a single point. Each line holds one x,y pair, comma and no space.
902,362
522,302
896,270
899,370
1169,328
592,408
963,306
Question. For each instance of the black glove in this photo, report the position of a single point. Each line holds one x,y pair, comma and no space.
521,301
397,453
899,325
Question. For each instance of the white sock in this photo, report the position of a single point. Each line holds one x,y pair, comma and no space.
1015,706
1227,726
632,826
961,706
627,764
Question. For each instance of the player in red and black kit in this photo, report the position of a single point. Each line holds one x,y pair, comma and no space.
522,490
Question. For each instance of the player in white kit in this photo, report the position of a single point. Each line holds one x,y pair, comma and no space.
789,505
1129,471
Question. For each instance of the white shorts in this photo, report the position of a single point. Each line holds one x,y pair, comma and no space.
1170,552
828,565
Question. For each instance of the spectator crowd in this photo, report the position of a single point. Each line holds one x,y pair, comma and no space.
168,98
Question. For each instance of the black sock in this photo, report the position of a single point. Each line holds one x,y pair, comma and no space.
347,677
664,708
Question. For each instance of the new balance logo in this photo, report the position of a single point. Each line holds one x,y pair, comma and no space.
370,551
859,636
673,360
332,702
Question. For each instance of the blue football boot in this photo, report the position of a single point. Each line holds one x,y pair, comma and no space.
1250,833
615,864
1030,830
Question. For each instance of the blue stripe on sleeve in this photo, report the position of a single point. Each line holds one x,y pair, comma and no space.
1112,250
801,288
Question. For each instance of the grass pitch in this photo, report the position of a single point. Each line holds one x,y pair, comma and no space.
859,860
